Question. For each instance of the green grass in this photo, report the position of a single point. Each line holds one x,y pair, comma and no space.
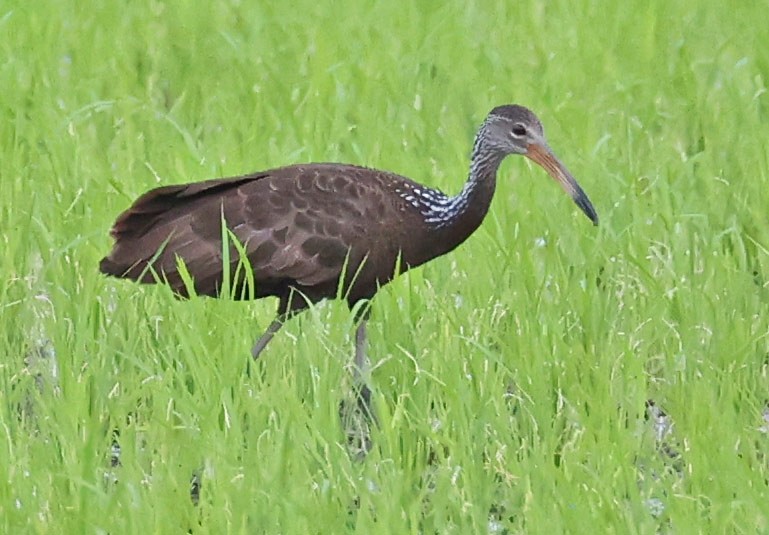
511,375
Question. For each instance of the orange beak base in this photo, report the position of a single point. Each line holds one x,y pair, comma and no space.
543,156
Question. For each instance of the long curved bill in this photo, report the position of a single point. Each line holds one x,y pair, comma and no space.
542,155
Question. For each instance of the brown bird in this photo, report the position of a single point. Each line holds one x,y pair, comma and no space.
317,231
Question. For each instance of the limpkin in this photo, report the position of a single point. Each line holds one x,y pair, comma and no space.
317,231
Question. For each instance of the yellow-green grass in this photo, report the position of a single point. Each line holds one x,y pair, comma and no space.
510,376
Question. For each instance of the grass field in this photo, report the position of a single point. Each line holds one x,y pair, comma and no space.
511,377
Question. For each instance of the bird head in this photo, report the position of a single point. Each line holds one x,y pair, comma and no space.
513,129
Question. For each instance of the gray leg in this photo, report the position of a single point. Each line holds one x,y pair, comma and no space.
357,414
287,308
263,340
361,370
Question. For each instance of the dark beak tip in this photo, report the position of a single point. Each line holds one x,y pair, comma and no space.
587,207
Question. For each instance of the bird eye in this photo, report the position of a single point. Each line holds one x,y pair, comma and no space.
519,130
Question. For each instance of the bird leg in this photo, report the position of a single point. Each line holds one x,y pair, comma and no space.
357,415
263,340
362,370
287,307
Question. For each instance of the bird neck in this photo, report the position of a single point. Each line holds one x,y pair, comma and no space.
463,213
475,197
450,220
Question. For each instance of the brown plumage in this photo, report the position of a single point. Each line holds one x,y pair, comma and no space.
306,227
297,224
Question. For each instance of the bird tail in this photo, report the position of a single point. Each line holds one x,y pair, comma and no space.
111,268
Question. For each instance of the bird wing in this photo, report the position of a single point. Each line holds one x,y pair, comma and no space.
150,208
298,225
168,223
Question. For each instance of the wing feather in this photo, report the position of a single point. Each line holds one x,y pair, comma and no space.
299,226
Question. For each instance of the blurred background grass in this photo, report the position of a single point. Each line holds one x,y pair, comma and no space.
511,376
